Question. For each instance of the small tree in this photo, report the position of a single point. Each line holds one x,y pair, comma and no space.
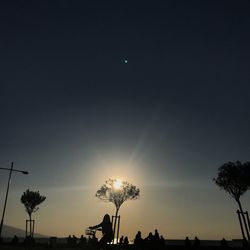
234,178
31,200
117,192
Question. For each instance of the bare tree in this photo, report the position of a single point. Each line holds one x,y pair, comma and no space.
117,192
31,200
234,178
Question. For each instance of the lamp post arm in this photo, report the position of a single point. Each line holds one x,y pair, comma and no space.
5,168
5,201
16,170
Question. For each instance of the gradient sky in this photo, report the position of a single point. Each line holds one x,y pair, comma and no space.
74,114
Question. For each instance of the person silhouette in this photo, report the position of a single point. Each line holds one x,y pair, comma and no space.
107,232
69,240
121,240
162,241
15,240
156,238
223,243
74,240
196,242
156,235
126,241
149,241
82,241
187,243
138,241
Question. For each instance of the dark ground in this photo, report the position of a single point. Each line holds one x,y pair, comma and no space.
114,247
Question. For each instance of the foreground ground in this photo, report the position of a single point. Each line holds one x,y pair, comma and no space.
115,247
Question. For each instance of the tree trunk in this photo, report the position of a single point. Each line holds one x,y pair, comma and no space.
244,219
116,213
30,226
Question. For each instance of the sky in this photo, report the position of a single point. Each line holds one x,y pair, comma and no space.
156,93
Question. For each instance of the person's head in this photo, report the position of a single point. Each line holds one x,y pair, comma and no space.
106,219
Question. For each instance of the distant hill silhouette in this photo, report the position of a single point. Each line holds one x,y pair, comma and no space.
9,231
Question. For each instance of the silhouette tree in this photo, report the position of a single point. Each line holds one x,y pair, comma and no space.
31,200
234,178
117,192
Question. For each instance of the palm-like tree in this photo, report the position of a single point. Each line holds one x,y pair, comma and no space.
31,200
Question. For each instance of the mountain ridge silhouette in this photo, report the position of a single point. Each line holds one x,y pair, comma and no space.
10,231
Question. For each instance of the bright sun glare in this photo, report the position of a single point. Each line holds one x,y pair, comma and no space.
117,184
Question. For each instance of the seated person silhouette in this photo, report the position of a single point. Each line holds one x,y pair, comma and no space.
107,232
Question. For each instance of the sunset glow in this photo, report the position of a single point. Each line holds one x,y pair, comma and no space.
97,95
117,184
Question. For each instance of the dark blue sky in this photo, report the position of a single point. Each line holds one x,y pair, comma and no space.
179,107
64,82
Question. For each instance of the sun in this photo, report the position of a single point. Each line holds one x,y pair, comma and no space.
117,184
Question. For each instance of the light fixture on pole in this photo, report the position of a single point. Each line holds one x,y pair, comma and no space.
7,191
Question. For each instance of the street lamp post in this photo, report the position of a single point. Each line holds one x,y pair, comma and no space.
7,191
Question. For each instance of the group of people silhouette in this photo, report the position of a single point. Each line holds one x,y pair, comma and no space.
152,241
188,243
73,240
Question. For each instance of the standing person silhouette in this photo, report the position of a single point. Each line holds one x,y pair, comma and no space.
107,232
